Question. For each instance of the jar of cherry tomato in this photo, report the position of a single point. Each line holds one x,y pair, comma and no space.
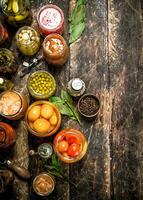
7,135
3,34
50,19
55,49
70,145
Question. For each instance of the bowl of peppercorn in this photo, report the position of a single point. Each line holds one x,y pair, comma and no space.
88,105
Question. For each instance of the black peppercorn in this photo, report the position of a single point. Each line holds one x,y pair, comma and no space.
88,105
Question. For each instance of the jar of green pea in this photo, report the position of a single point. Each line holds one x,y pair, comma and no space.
41,84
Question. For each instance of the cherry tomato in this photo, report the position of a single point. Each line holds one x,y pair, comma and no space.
72,139
73,150
63,146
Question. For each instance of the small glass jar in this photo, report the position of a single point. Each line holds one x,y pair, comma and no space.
70,145
28,40
76,87
16,12
6,179
43,184
13,105
55,49
50,19
8,63
5,84
45,150
7,135
3,34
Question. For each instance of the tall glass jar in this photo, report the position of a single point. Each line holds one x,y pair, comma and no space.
55,49
13,105
28,40
7,135
16,12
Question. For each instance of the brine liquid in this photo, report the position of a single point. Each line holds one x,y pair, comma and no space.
10,103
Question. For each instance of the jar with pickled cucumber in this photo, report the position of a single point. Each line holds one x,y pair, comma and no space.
41,84
28,40
16,12
8,63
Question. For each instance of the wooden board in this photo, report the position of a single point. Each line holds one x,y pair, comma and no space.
126,72
109,58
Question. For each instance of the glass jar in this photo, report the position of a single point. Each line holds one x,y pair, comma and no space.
16,12
41,84
8,63
3,34
13,105
50,19
43,184
76,87
6,179
45,150
28,40
43,118
70,145
5,84
7,135
55,49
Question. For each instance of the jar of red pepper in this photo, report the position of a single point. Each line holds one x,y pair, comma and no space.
55,49
7,135
50,19
3,34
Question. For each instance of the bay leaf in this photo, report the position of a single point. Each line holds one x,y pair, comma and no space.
76,32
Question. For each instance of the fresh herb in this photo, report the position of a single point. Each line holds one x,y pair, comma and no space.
65,105
54,167
77,21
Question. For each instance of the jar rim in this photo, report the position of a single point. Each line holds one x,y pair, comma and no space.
50,6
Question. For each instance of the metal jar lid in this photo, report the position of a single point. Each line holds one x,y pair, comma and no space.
77,84
45,150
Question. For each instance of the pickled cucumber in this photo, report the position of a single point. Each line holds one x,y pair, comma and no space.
15,6
9,5
22,16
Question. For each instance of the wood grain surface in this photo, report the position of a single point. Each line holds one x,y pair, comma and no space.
109,58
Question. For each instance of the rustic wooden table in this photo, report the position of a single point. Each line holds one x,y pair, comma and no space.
109,58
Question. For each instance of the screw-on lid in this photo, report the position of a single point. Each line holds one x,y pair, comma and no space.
45,150
77,84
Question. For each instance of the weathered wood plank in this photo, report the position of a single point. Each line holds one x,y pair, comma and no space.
61,75
126,71
89,61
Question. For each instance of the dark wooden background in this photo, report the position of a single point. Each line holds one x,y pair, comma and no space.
109,58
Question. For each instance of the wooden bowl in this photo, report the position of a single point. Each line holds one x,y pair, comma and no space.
49,133
84,97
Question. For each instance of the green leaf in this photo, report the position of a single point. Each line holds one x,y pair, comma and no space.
78,16
81,2
76,32
56,99
77,116
64,109
66,97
